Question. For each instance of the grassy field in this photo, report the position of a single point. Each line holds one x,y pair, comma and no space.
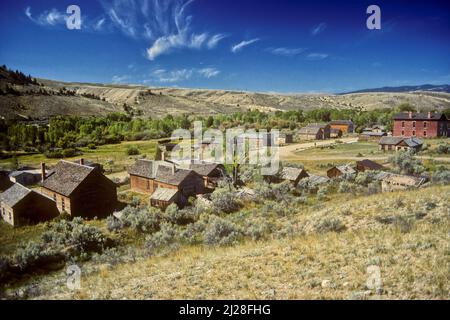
413,258
111,152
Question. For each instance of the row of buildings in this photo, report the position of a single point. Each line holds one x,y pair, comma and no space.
322,131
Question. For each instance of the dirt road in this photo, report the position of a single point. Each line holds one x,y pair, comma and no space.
288,152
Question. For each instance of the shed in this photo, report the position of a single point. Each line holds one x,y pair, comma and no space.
163,197
338,171
367,164
21,206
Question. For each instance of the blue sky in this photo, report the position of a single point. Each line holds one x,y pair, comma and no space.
279,46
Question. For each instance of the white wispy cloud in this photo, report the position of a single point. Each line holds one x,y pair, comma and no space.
175,32
318,29
208,72
178,75
239,46
287,52
50,17
214,40
317,56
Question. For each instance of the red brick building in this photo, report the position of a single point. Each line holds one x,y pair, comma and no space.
424,125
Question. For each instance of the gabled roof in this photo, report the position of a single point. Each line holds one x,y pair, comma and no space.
313,128
14,194
162,171
316,180
411,142
419,116
372,165
290,173
346,169
342,122
164,194
66,177
204,169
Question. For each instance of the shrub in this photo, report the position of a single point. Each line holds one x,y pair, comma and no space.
219,231
224,200
322,193
404,223
113,224
441,177
76,236
443,148
374,187
257,229
132,151
145,220
346,187
329,225
176,216
164,237
407,163
364,178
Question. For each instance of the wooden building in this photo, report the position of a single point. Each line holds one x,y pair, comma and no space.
21,206
346,126
147,176
210,172
424,125
315,131
338,171
393,182
399,143
292,174
5,182
367,164
163,197
80,190
335,133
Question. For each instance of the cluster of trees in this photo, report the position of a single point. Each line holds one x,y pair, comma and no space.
72,132
17,77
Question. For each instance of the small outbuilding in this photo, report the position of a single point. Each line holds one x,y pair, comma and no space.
367,164
22,206
394,182
338,171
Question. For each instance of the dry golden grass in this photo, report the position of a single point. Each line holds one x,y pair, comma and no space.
414,263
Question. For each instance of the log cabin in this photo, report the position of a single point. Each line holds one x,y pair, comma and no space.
147,176
346,126
79,190
21,206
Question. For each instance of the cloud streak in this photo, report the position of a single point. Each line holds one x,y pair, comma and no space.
241,45
287,52
317,56
179,75
318,29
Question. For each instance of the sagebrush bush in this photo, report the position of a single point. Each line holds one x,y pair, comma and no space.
177,216
329,224
224,200
113,224
441,177
346,187
162,238
219,231
143,220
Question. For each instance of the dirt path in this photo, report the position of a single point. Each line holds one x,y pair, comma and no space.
288,152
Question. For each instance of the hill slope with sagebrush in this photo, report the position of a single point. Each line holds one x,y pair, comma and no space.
307,256
26,98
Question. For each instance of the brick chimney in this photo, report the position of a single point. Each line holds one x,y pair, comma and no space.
429,114
410,114
43,176
82,161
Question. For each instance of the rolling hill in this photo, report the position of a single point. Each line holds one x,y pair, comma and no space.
41,99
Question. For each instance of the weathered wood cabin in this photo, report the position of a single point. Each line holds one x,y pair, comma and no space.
393,182
346,126
21,206
338,171
211,173
367,164
294,175
399,143
315,131
80,190
147,176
